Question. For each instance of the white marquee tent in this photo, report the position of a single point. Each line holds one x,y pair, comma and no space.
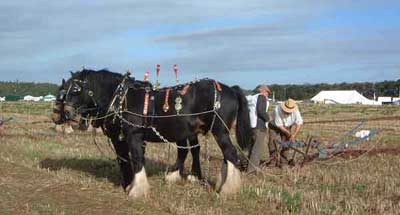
342,97
49,98
32,98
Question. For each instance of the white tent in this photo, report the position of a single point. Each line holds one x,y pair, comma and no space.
342,97
49,98
32,98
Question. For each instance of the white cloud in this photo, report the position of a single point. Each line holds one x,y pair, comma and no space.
53,37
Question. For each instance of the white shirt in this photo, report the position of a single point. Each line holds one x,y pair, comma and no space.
252,101
279,118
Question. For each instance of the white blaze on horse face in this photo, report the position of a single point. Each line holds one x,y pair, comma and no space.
229,181
173,177
140,186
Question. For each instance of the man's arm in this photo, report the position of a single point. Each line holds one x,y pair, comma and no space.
297,128
298,125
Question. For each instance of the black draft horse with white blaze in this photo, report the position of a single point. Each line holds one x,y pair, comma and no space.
132,112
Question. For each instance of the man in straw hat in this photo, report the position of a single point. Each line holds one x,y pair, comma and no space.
285,124
259,123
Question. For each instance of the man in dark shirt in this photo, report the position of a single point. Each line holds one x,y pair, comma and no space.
260,130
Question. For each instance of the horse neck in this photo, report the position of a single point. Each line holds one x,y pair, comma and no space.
104,93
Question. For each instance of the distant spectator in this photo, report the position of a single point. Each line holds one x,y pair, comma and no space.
285,125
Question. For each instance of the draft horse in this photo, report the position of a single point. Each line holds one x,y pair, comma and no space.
131,112
177,171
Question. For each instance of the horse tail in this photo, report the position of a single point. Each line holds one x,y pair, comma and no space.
244,133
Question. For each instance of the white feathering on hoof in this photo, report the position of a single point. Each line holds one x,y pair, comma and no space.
140,186
90,128
193,179
58,128
173,177
229,181
68,129
99,130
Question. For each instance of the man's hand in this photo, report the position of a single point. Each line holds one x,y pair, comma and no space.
292,138
285,131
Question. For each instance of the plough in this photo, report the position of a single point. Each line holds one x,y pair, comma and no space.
323,153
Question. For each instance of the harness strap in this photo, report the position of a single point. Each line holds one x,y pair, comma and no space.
184,90
146,103
219,88
166,105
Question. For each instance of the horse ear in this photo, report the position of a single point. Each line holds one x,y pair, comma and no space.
72,73
63,82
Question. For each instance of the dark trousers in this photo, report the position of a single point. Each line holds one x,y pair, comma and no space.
259,148
276,136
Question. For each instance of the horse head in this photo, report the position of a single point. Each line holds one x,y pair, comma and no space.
86,93
75,98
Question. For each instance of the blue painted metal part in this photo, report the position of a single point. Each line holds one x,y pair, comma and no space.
297,144
324,153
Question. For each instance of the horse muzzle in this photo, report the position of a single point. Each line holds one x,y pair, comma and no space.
70,114
57,115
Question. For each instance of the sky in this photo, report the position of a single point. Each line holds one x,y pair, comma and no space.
241,42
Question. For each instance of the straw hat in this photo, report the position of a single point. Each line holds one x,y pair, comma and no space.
289,106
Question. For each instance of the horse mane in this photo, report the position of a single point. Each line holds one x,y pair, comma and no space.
106,74
87,72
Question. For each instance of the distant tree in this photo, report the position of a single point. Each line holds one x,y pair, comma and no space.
26,88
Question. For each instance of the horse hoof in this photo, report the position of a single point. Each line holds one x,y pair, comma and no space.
68,129
58,128
140,186
192,179
173,177
229,181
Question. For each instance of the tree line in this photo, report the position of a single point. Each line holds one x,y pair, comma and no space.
15,88
282,92
307,91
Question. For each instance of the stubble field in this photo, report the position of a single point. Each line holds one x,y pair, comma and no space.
44,172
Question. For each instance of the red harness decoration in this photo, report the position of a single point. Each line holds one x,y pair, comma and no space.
184,90
166,105
146,104
218,86
146,76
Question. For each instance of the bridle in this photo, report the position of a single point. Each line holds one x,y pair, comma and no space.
76,87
